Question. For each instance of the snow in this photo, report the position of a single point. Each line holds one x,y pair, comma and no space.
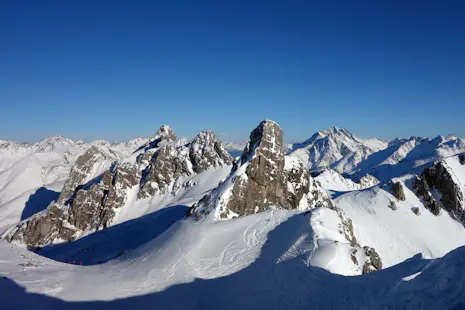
407,156
27,170
152,255
399,234
190,190
228,264
331,180
338,149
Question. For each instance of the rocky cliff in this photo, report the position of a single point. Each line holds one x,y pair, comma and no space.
440,186
88,203
263,178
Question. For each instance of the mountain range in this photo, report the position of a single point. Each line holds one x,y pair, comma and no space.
334,221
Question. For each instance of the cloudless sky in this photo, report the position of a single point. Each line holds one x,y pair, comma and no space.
115,70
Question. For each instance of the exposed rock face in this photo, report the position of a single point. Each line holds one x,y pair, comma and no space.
398,191
88,203
163,136
438,177
262,179
373,261
264,184
171,163
368,181
82,172
207,151
87,210
416,210
422,191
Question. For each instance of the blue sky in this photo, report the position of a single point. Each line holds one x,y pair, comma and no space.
115,70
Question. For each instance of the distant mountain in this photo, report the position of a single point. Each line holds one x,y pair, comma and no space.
338,149
235,148
100,193
407,156
37,171
155,219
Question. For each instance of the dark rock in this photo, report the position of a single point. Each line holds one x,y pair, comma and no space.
416,210
373,262
164,135
260,180
265,183
166,166
438,177
206,151
392,205
398,190
81,173
88,204
87,210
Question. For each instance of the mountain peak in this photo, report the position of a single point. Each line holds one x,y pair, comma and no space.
166,132
268,136
338,148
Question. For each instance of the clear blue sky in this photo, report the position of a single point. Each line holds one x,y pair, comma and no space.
114,70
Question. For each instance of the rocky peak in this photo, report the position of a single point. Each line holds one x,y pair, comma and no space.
82,172
207,151
163,136
338,149
165,132
90,199
262,179
265,153
439,177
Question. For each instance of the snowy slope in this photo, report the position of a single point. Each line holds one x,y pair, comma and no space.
310,255
232,264
331,180
338,149
405,156
399,234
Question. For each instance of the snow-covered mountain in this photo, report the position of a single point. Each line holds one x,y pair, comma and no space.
404,156
181,225
331,180
338,149
235,148
96,196
32,175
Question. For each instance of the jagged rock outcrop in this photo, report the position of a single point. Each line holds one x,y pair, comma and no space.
87,210
163,136
439,177
398,190
89,203
83,171
368,181
263,178
422,190
171,163
373,261
206,151
462,159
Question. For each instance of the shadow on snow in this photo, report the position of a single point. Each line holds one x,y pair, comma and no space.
262,285
38,201
112,242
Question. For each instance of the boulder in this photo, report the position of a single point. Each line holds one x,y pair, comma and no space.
398,190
